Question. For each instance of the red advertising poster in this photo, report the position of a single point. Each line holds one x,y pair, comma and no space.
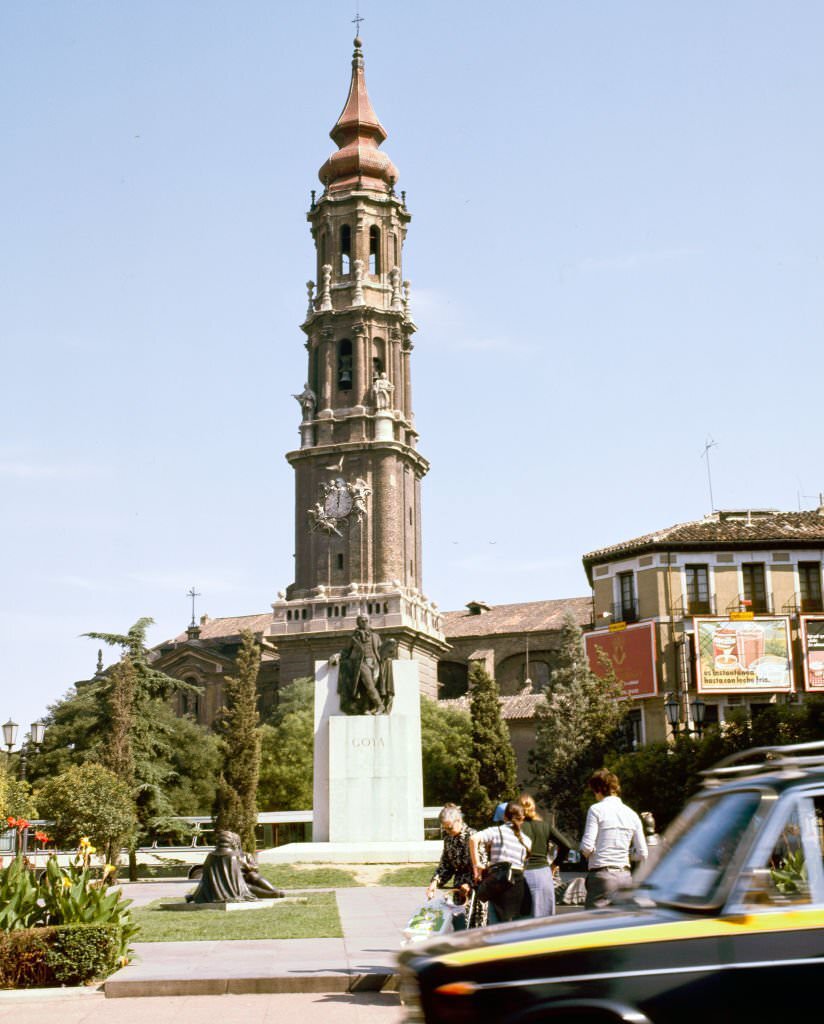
812,644
631,653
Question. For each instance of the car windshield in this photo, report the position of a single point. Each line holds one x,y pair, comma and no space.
699,847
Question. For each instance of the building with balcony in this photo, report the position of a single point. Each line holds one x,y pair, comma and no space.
720,613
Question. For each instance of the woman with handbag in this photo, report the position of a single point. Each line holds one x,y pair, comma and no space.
538,876
502,883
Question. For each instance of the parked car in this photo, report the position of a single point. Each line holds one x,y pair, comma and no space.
727,925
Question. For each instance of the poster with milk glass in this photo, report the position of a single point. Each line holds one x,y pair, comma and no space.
743,657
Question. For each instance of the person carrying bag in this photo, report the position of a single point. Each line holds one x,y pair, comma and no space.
502,883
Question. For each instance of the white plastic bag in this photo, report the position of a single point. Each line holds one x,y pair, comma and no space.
431,918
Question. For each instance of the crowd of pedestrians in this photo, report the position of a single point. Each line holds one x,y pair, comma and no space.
510,870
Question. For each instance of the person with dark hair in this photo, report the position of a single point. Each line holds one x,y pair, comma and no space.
503,883
613,835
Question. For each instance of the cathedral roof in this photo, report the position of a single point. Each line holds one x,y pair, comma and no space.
358,133
529,617
232,626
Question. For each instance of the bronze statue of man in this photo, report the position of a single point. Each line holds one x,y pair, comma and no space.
360,672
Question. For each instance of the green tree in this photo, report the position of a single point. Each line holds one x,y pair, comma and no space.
90,800
575,727
16,798
236,799
287,750
488,775
446,740
662,776
122,718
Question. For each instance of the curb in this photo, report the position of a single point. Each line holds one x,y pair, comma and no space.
283,984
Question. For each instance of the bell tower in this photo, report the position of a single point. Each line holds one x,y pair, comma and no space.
357,471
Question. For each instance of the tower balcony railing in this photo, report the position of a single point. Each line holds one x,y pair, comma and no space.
332,613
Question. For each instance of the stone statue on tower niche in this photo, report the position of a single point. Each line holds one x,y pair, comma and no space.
365,683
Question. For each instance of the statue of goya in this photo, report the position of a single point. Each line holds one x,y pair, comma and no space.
365,682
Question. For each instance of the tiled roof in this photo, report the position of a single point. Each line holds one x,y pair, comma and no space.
531,617
517,707
221,629
724,529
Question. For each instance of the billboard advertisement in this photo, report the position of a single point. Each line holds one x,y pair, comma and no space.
743,656
631,653
812,644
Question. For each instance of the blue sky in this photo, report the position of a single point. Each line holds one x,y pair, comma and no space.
615,252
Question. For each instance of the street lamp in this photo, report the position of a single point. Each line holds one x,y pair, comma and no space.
698,709
9,735
672,707
36,734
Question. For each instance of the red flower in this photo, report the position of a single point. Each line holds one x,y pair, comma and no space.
12,822
41,837
22,823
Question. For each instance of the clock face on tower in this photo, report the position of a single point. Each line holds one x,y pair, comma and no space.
338,501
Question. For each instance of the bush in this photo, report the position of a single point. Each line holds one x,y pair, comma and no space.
58,955
80,953
23,958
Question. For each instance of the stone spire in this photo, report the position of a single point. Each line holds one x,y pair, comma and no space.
358,133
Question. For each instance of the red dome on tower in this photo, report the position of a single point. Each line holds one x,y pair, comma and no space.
358,163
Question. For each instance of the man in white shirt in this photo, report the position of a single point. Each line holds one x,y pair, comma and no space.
613,835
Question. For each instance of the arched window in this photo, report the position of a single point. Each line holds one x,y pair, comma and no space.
323,248
345,365
394,250
453,680
378,357
345,249
374,250
190,701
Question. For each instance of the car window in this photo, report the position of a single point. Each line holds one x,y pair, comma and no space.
787,880
699,847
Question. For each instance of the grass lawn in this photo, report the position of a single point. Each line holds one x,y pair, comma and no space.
288,876
411,874
317,919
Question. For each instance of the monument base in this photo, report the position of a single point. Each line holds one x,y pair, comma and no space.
368,776
424,851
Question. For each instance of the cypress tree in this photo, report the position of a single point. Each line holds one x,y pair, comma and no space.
489,775
236,800
574,729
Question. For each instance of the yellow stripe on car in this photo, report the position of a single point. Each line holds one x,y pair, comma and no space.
704,928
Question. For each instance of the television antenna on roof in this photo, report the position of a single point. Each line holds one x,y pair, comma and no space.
709,443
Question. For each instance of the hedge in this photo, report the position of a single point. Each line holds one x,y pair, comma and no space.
59,955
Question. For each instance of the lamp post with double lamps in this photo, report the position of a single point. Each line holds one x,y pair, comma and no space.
672,707
37,731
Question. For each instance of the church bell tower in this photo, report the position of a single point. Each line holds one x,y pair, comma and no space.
357,471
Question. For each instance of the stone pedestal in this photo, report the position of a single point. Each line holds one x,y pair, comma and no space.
368,780
384,426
